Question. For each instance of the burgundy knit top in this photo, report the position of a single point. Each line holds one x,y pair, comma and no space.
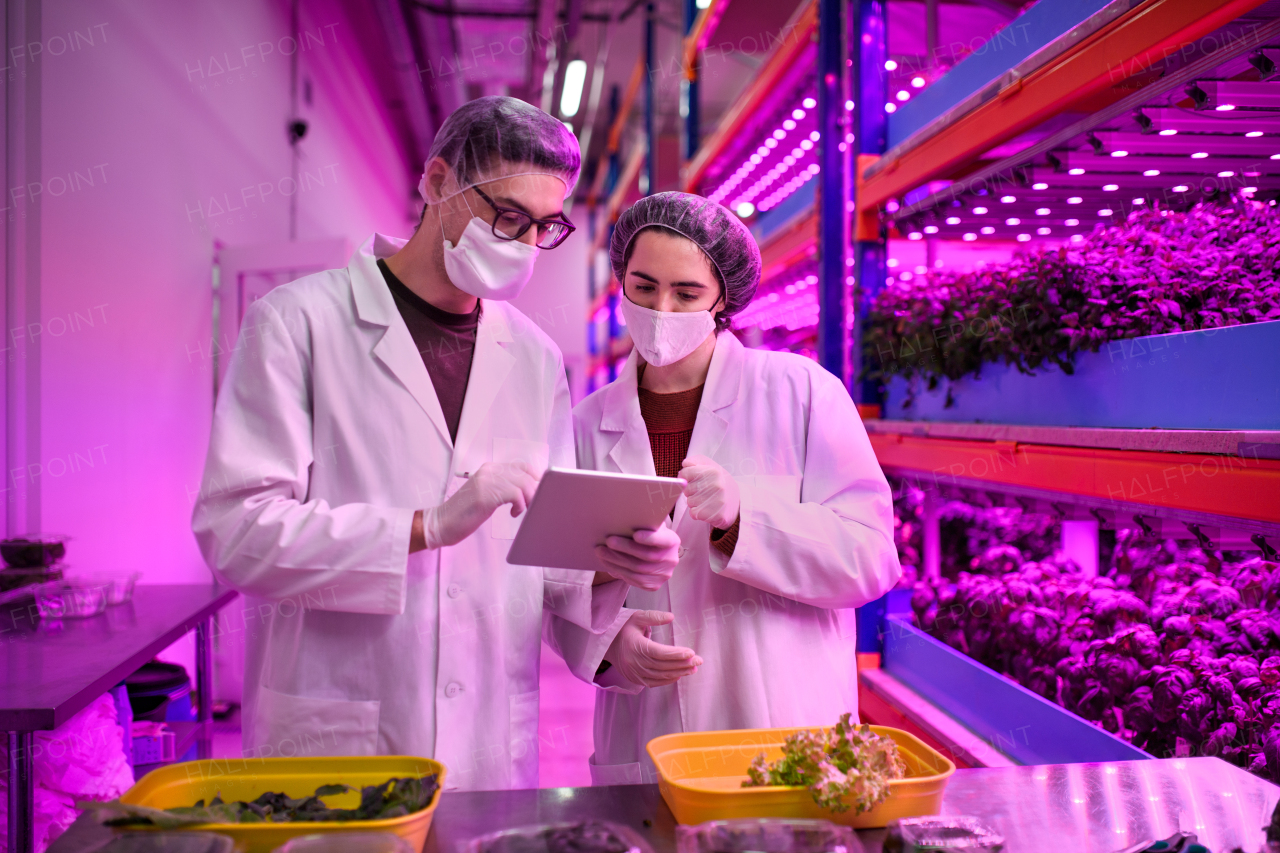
669,420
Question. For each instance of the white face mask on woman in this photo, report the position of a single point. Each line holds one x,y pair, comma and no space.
665,337
484,265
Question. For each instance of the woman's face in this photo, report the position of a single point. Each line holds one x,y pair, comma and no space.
668,272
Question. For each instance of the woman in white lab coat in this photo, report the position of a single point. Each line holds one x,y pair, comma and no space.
786,523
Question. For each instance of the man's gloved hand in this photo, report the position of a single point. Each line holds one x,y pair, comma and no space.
712,492
493,485
645,559
643,661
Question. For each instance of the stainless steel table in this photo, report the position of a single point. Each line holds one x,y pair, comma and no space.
1086,808
1081,808
51,670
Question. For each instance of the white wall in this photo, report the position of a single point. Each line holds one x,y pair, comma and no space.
174,119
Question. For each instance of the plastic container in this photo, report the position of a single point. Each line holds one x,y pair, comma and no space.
154,687
12,579
950,833
33,550
766,835
584,836
348,842
247,778
169,842
119,586
66,599
700,775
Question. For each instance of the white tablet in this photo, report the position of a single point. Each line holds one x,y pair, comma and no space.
573,511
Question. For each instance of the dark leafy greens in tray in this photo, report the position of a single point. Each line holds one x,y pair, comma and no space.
393,798
845,765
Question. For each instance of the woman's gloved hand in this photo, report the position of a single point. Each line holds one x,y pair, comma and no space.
712,492
494,484
641,660
645,559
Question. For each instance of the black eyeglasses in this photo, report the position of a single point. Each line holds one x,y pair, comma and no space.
511,224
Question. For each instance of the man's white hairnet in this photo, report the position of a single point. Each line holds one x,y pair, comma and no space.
720,235
499,137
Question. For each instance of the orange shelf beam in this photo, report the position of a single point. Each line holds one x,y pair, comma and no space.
1238,487
1127,46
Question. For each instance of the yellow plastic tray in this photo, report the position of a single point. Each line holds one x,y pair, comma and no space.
700,775
245,779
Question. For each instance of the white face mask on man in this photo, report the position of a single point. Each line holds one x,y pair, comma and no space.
665,337
486,266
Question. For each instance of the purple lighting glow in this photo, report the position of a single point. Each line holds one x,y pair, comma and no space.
785,160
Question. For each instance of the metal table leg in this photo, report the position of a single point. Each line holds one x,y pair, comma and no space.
204,687
21,793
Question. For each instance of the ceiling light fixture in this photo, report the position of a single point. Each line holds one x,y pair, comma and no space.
575,75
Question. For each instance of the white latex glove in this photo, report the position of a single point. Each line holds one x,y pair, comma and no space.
643,661
645,559
712,492
493,485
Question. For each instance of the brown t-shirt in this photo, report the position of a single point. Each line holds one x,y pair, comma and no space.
445,341
669,420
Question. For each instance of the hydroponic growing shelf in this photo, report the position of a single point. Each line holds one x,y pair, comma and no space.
1171,106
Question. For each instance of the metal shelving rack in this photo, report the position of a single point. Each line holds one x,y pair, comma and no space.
1136,102
1144,104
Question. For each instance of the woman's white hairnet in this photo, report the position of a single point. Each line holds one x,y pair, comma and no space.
720,235
501,137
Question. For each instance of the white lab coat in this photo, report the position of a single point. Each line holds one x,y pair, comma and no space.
327,437
772,623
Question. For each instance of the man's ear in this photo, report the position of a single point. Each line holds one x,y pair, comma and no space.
440,181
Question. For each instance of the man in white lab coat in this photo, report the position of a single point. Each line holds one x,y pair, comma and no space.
381,428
